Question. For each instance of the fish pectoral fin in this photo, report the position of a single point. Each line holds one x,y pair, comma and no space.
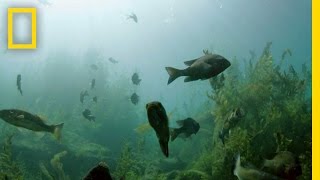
39,135
206,67
190,78
189,63
180,122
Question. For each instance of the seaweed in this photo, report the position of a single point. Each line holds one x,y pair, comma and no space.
9,168
278,114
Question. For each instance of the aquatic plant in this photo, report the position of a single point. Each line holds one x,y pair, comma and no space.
9,168
57,166
278,114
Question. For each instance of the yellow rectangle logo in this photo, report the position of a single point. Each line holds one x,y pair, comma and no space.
33,12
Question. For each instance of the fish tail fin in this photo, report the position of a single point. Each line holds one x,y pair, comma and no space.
164,147
57,131
237,166
173,73
174,134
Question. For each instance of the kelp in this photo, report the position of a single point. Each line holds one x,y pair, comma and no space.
9,168
278,114
57,166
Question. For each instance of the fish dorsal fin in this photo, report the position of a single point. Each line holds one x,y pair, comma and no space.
189,63
43,118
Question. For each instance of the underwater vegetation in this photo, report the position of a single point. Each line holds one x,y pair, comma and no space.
277,105
273,99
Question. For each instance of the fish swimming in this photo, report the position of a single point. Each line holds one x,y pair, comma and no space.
230,123
111,59
29,121
133,17
82,95
134,98
93,83
95,99
135,79
284,164
203,68
188,127
158,120
250,173
101,171
19,83
88,115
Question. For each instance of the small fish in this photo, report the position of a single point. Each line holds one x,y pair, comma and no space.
29,121
203,68
158,120
133,17
230,123
94,67
135,79
88,115
250,173
284,165
188,127
134,98
95,99
19,83
111,59
101,171
93,83
82,95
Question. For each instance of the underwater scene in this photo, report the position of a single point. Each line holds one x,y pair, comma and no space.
157,90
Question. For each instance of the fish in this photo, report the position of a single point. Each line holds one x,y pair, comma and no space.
203,68
88,115
82,95
188,127
30,121
93,83
94,67
235,116
134,98
133,17
111,59
158,120
19,84
95,99
135,79
145,127
244,173
100,171
284,164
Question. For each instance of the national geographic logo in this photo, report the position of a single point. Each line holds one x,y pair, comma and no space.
11,28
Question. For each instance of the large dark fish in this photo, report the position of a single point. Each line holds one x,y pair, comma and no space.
244,173
231,122
135,79
158,120
188,127
202,68
93,83
29,121
99,172
133,17
88,115
19,83
82,95
134,98
284,165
